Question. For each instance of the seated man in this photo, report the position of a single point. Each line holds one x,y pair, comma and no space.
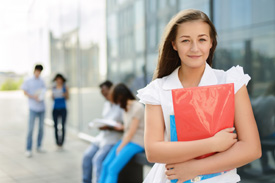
108,136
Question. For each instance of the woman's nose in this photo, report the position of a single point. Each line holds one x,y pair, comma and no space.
194,47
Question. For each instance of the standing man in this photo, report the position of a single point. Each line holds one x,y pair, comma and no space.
34,88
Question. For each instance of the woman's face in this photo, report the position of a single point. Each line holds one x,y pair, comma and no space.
193,43
59,81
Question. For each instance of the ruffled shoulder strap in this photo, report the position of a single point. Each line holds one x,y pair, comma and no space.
150,94
237,76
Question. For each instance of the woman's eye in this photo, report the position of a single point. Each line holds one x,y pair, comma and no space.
185,41
202,40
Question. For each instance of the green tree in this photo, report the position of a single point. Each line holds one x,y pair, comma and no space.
11,84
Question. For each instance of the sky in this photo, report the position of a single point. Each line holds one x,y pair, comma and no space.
14,52
23,37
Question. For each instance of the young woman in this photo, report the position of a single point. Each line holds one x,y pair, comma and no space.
132,140
60,94
185,57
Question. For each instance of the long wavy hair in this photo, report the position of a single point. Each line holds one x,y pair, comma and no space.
168,59
121,94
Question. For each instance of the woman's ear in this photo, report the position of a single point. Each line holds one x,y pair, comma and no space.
174,46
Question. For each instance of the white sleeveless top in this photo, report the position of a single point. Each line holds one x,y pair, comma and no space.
158,92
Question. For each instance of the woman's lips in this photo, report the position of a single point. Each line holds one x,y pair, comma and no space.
194,56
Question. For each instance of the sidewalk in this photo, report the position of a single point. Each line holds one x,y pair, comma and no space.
50,167
53,166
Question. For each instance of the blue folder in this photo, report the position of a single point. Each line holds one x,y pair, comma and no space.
173,135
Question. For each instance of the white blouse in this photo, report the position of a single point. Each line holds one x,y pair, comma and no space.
158,92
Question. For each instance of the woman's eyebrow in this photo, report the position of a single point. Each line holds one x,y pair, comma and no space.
203,35
200,35
184,36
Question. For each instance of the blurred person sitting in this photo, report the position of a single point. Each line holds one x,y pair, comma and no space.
264,112
132,141
34,88
60,94
104,141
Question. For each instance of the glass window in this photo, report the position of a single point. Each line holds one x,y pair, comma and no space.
263,63
139,80
172,2
262,11
152,5
161,4
202,5
229,54
112,35
121,1
139,32
246,32
152,36
251,46
126,70
161,25
151,65
233,14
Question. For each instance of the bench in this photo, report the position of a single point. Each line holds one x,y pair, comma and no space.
269,145
133,171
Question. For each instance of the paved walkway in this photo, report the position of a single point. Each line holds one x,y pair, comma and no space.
51,167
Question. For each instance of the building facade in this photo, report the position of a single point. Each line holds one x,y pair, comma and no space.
245,37
77,50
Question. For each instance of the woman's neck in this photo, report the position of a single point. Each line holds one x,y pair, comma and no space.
59,85
190,77
129,102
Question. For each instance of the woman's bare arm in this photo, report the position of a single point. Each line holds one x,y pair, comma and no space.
157,150
66,94
129,135
247,149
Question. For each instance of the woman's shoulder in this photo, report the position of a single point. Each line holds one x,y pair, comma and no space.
150,94
234,70
235,75
138,105
156,84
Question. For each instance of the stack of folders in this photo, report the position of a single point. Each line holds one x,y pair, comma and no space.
201,112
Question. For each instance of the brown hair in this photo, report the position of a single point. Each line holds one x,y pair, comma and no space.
168,59
121,94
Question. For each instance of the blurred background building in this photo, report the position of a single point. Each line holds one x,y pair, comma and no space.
246,35
77,49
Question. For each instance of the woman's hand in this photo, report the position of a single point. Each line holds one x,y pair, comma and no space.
224,139
105,127
119,148
182,171
119,128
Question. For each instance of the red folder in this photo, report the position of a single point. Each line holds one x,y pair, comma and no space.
201,112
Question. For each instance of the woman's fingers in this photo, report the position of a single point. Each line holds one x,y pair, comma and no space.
171,177
170,172
169,166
